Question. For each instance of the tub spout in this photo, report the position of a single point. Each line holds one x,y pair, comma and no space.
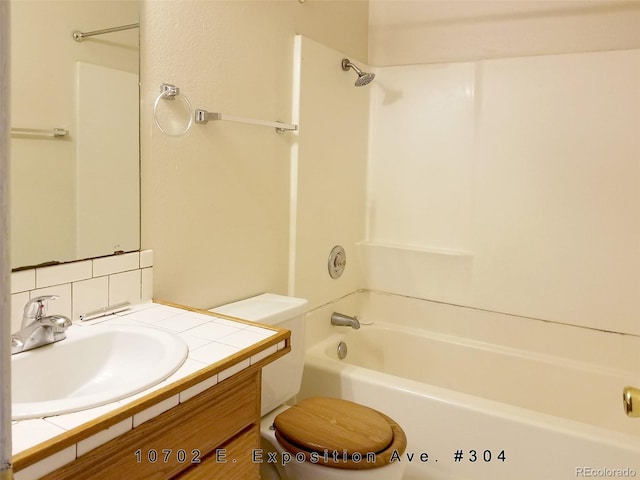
342,320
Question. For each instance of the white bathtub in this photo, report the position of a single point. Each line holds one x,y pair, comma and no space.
546,406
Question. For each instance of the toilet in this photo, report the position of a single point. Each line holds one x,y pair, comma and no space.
318,438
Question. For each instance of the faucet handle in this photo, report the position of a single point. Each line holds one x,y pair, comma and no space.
37,307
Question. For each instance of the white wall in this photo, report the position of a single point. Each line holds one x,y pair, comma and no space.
413,32
526,171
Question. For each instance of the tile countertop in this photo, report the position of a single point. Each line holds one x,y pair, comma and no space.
216,344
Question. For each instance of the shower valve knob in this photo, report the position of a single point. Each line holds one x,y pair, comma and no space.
337,261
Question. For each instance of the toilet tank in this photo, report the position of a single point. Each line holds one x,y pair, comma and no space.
280,379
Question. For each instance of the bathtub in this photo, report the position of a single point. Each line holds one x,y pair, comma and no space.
545,405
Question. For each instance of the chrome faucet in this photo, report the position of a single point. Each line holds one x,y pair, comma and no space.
37,327
342,320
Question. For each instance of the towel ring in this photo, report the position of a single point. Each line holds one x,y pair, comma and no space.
170,92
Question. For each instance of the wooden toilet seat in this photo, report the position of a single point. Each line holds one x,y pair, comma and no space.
339,433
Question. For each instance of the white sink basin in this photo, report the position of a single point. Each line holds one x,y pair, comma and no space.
93,366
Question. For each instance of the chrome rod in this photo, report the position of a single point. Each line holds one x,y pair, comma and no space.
80,36
202,116
54,132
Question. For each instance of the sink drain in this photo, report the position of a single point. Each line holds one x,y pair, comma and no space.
342,350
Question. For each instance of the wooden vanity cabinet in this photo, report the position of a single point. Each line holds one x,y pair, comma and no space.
210,436
237,451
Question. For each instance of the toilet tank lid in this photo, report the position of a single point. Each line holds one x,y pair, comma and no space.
267,308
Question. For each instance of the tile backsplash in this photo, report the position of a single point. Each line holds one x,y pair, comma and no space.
84,286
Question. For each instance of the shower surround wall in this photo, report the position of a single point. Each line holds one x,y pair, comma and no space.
330,173
510,185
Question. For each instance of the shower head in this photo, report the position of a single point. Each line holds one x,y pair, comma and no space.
364,78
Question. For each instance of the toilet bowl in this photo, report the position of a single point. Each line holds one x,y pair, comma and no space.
318,438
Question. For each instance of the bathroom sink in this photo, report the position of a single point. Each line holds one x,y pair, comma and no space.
93,366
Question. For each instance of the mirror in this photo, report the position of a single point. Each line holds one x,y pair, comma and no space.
74,195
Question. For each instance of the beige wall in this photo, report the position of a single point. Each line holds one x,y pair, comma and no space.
215,202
